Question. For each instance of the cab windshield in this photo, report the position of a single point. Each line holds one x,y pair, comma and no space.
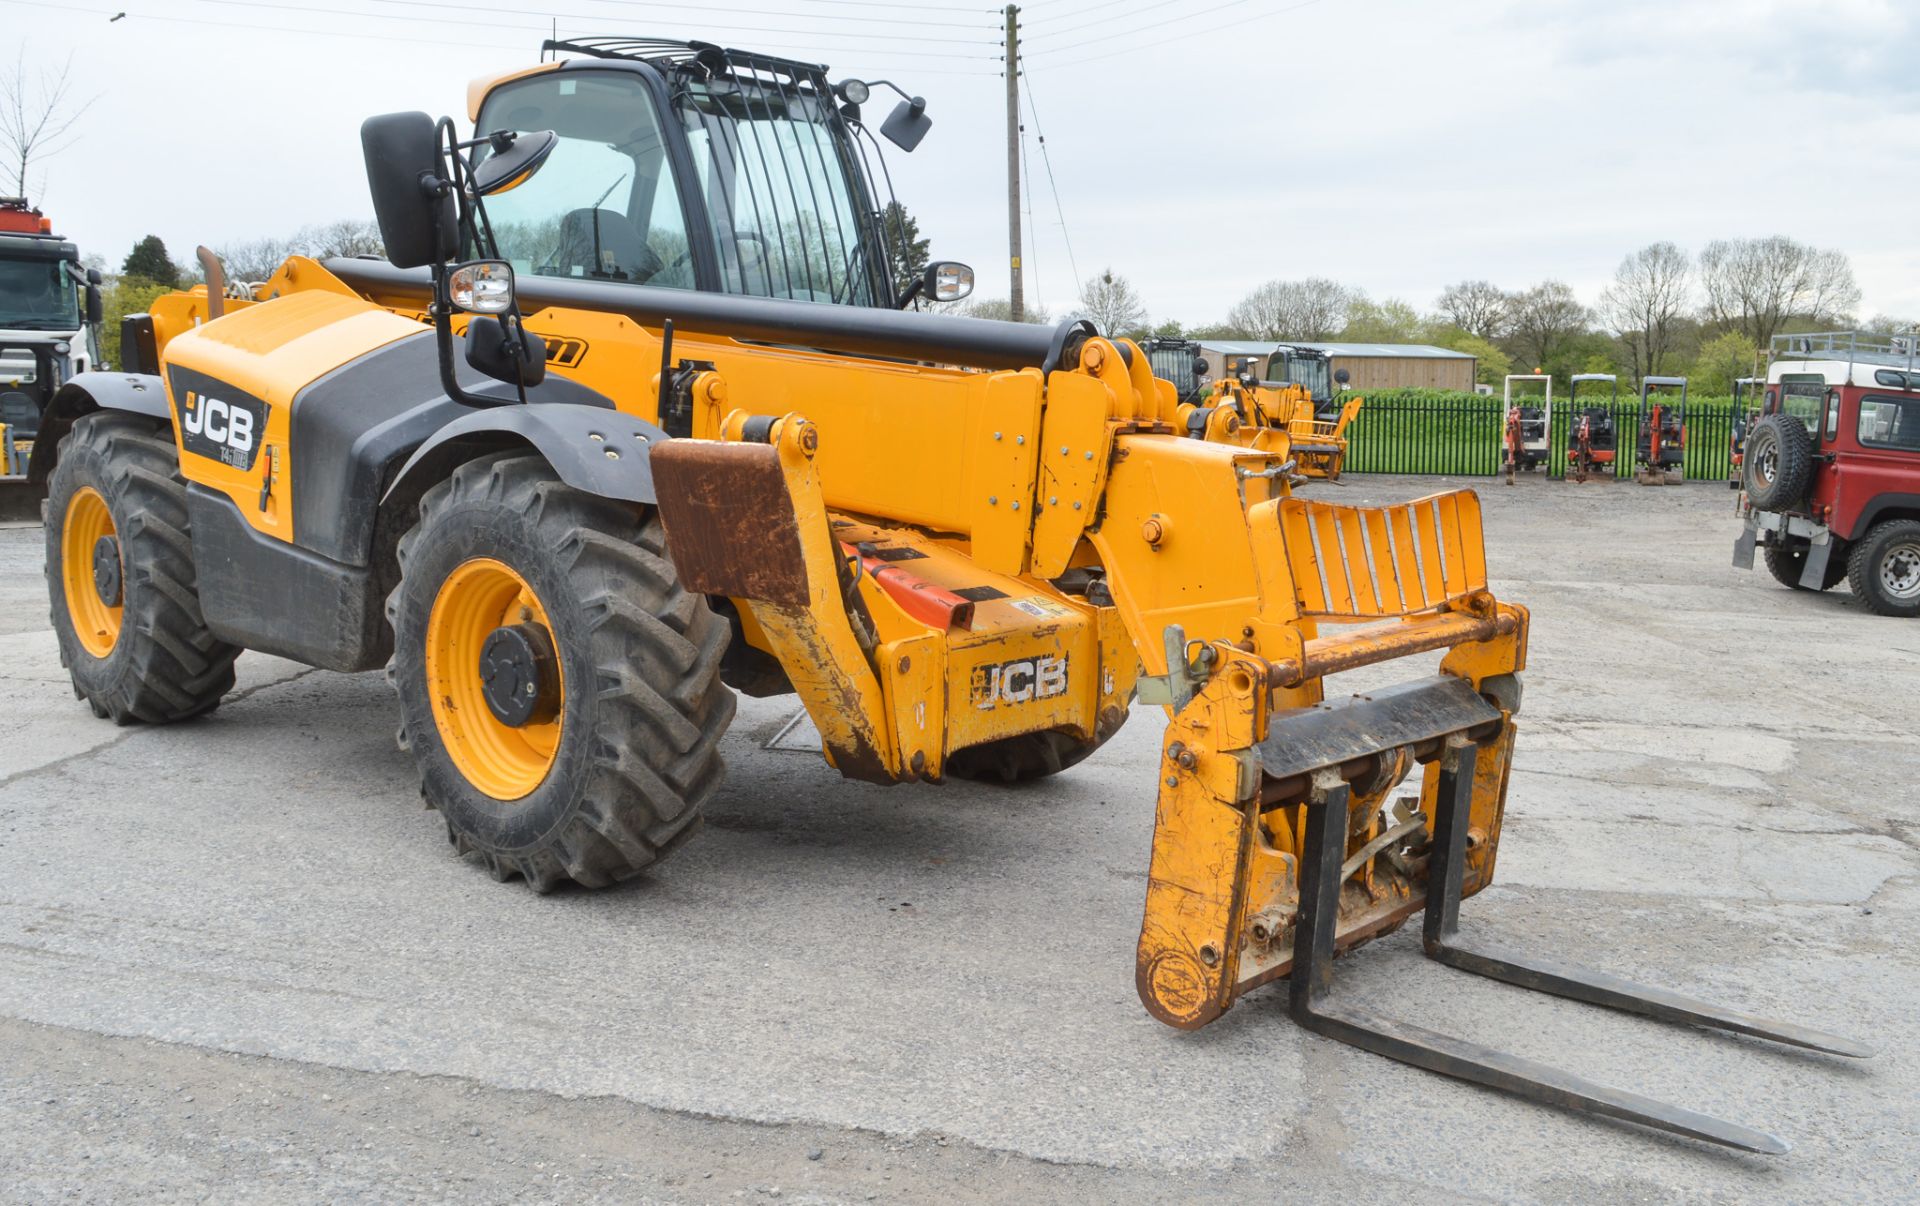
1309,371
778,189
38,295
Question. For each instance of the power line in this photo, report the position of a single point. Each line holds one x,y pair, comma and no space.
256,6
1100,8
1052,184
1080,43
1235,24
757,12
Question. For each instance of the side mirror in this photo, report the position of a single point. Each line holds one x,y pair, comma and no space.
907,124
946,281
492,351
1342,376
1199,367
411,200
515,157
94,277
96,311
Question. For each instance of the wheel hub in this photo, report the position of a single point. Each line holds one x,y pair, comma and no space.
1900,572
517,675
106,570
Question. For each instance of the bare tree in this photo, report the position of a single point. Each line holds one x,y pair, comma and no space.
256,260
1478,308
1645,303
1754,286
37,116
1112,304
348,237
1315,308
1545,318
253,261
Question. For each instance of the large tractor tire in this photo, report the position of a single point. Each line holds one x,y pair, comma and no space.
121,576
1884,570
1030,755
1786,565
1779,462
559,690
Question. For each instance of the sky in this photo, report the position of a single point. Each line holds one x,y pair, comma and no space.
1198,148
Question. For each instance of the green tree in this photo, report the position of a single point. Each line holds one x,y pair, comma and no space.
126,295
149,261
907,253
1493,364
1389,321
1721,360
1169,329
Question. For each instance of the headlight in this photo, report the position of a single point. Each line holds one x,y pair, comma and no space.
482,287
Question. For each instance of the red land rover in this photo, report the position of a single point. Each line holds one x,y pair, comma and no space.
1832,469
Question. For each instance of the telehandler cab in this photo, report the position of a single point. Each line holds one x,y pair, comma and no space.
667,462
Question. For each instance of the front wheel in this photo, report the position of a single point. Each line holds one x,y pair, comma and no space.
1884,570
120,572
559,690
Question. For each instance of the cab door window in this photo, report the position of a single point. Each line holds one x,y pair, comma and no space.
605,205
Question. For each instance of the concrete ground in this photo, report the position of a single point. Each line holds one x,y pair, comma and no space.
238,961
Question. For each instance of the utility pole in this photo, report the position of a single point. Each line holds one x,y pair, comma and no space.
1017,299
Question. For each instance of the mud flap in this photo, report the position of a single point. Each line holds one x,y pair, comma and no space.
1813,575
1743,547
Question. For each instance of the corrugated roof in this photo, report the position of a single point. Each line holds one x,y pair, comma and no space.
1412,351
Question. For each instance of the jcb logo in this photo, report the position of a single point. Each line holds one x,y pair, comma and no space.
219,423
216,420
1019,682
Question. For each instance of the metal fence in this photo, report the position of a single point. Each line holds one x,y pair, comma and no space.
1464,435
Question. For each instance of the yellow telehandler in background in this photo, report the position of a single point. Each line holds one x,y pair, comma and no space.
1280,412
633,417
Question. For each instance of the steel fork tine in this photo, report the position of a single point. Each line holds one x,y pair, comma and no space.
1444,944
1324,849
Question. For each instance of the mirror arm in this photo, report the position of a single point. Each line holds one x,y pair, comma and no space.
912,291
441,311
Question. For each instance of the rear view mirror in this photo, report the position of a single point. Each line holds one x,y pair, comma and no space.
509,166
96,310
907,124
947,281
492,351
1199,367
411,199
1342,376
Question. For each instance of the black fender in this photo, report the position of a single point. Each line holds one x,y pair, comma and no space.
1885,506
136,393
600,451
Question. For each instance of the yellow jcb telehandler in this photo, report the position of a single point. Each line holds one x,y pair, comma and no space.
632,417
1280,413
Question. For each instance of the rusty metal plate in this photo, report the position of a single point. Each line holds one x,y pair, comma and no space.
731,527
1328,734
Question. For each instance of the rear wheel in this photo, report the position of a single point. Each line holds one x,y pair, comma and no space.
120,573
1884,570
559,690
1786,565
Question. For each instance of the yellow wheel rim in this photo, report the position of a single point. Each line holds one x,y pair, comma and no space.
95,621
504,762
